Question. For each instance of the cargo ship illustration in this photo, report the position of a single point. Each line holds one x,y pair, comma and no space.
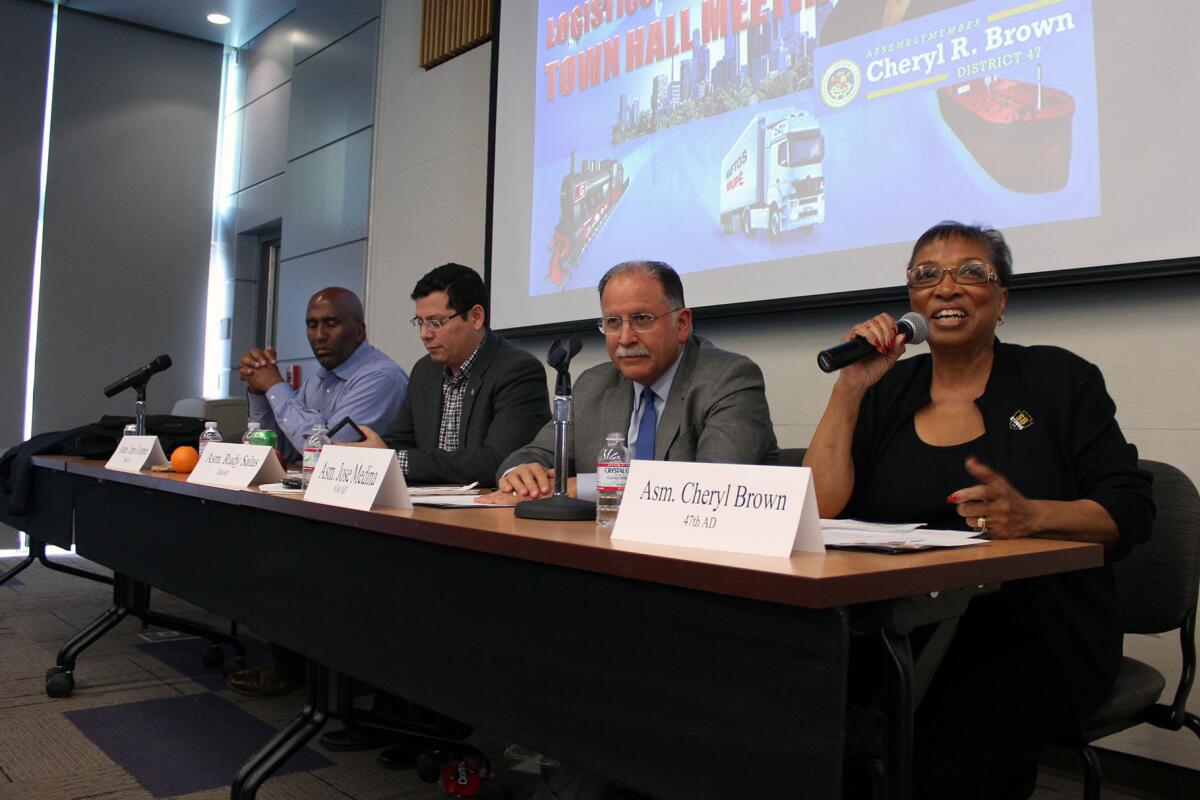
586,198
1019,132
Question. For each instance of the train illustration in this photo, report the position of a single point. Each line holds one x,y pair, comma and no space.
586,199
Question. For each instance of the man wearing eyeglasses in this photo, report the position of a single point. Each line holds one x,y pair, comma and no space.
674,395
473,399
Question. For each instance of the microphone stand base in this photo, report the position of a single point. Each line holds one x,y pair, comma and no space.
559,507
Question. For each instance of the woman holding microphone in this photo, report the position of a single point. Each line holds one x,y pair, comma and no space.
1012,441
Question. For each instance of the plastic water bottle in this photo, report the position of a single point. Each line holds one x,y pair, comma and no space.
612,470
251,427
313,445
209,434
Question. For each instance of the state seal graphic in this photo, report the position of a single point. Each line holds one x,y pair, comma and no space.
839,84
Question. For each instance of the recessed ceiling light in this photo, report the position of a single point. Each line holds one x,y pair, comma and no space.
218,19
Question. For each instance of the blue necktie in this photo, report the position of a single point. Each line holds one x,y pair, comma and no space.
646,427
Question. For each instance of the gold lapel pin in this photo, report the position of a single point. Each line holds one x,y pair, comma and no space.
1020,420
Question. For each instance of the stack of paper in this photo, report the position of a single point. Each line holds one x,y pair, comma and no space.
891,538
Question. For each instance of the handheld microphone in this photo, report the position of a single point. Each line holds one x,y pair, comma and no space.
914,326
138,376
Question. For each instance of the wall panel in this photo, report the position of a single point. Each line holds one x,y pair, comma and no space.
267,58
24,49
128,217
264,137
319,24
257,206
328,196
334,92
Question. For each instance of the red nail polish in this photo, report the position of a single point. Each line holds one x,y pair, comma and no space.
952,498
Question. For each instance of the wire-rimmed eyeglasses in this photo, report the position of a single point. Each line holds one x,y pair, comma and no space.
433,322
640,322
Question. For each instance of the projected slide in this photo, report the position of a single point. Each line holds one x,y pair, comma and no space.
724,134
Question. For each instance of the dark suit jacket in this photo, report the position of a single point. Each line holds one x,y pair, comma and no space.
716,411
504,406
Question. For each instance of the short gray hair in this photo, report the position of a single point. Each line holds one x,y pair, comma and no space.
660,271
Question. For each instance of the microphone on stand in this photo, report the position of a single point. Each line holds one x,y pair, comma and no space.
560,505
914,326
138,376
138,380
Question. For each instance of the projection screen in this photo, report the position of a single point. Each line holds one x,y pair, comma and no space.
791,150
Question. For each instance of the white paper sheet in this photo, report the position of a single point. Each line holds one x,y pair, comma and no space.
455,501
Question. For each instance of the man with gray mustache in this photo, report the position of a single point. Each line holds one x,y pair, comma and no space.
674,395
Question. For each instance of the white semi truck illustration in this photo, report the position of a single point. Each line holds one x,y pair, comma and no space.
772,177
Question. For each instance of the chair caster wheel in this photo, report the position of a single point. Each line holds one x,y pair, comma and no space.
429,767
212,656
55,670
61,684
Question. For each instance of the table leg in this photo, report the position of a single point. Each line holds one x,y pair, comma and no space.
141,610
908,678
60,680
288,741
37,552
901,705
78,573
25,562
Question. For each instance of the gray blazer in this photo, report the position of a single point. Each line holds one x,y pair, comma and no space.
717,411
505,404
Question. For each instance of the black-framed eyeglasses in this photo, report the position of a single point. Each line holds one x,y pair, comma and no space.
640,322
968,273
434,323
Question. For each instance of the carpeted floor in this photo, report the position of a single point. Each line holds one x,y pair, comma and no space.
148,720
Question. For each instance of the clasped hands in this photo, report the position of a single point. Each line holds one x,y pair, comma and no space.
259,370
994,506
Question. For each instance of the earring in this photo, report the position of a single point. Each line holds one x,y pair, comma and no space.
1000,321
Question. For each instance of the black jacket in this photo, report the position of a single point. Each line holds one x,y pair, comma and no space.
505,405
1054,435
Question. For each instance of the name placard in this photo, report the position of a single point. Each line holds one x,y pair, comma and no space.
237,465
136,453
736,508
358,477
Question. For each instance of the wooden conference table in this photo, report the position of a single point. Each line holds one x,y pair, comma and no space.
679,672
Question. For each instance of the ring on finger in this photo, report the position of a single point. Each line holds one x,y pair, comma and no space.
982,524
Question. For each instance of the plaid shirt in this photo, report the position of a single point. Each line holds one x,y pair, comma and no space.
454,388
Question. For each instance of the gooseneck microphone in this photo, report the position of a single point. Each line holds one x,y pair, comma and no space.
560,505
914,326
138,376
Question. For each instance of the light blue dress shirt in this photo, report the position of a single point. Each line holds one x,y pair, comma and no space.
368,387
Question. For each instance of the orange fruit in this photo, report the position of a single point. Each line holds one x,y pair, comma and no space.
184,458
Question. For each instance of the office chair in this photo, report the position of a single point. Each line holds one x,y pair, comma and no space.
1157,587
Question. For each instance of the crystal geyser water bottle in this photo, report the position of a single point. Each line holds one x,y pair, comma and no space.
612,469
